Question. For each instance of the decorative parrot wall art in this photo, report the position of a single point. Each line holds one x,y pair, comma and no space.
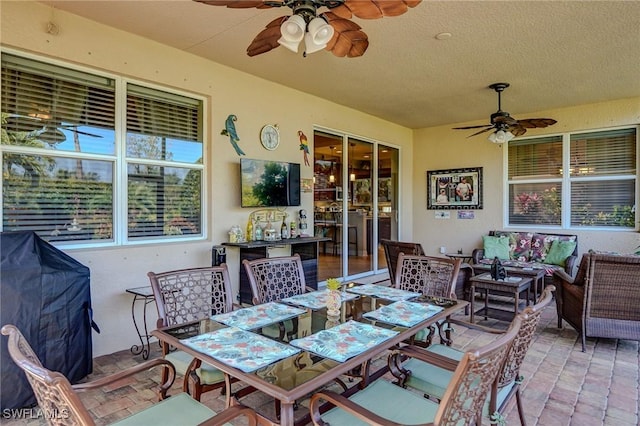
230,130
304,146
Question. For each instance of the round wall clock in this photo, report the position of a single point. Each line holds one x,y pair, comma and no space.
270,137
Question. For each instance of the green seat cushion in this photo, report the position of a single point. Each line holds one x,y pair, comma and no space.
179,409
208,374
433,380
496,247
389,401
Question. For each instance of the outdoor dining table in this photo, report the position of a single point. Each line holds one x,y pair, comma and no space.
377,319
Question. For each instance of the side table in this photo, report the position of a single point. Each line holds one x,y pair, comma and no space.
145,295
512,286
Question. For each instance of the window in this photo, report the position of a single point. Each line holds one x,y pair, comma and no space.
65,168
599,190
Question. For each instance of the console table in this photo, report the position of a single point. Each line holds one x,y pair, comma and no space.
144,294
306,247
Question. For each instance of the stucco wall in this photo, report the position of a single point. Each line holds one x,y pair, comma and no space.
256,102
443,148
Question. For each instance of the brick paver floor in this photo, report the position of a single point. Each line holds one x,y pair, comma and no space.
562,385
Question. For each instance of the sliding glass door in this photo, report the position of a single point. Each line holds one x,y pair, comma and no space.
355,203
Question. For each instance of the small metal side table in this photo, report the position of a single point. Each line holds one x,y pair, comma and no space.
511,286
145,295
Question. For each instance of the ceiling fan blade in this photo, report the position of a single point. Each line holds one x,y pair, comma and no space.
374,9
72,128
482,131
267,39
472,127
242,4
517,130
532,123
348,39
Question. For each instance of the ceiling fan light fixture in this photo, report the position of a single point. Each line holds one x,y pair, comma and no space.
320,31
292,31
501,136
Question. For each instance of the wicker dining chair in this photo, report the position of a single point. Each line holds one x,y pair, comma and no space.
430,370
392,250
56,395
383,403
185,295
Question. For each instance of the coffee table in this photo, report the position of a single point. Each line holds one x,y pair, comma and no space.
511,286
536,274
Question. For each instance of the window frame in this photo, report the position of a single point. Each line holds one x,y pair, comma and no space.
566,180
120,160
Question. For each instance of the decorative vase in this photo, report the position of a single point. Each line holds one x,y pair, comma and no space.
334,301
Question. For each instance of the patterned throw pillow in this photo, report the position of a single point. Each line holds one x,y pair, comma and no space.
541,244
519,244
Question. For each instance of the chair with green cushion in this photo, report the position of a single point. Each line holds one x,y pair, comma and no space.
384,403
431,276
431,370
185,295
273,279
55,394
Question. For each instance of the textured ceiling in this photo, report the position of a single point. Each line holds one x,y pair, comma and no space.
553,53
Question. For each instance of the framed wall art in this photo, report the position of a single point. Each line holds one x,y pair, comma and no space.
454,189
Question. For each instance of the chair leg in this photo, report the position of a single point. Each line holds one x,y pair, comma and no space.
520,408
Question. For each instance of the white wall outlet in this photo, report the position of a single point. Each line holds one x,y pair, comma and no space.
443,250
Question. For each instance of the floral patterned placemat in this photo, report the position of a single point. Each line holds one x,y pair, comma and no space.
316,299
258,316
404,313
383,292
345,340
240,349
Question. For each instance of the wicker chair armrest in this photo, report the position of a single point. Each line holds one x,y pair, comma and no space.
563,277
570,264
477,255
103,381
231,413
349,406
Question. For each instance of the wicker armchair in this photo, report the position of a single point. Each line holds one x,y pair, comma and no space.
430,371
383,403
603,299
55,394
186,295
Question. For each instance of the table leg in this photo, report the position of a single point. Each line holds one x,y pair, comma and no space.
143,347
472,296
517,298
486,304
286,414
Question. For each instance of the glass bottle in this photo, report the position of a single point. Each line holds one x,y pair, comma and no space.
284,229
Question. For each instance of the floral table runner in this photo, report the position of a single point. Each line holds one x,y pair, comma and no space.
259,315
240,349
344,341
316,299
383,292
404,313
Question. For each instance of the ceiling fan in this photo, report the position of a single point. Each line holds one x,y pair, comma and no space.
333,31
49,130
507,127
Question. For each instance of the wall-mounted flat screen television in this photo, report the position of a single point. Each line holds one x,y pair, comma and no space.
267,183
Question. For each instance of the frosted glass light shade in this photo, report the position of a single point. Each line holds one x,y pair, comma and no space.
501,136
292,31
320,31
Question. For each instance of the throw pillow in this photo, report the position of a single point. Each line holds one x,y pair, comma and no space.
496,247
559,252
